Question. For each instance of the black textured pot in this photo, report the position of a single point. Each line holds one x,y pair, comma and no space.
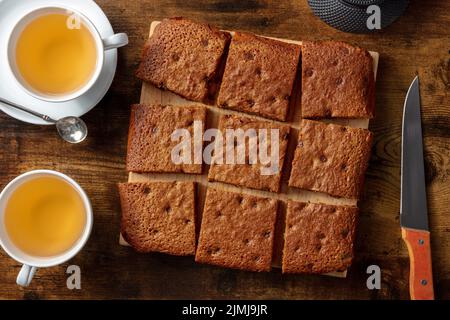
353,15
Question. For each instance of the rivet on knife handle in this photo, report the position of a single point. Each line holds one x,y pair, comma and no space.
420,274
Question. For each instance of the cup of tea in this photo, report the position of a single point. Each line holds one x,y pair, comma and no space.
45,219
56,54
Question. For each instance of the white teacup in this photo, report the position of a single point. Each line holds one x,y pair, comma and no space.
30,262
112,42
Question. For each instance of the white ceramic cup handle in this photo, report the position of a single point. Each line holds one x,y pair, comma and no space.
25,275
115,41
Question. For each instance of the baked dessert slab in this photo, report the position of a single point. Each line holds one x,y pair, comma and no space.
251,175
337,81
184,57
149,138
319,238
259,76
159,216
153,95
331,158
237,231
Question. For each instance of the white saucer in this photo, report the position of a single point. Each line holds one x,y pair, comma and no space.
10,12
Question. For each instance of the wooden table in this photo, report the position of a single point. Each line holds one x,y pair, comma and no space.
418,42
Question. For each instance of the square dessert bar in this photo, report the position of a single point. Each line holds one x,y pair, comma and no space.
337,81
318,238
331,158
259,76
184,57
159,216
149,139
237,231
251,175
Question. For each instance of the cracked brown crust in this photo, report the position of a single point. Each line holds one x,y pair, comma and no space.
237,231
159,216
259,76
249,175
184,57
149,138
337,81
319,238
331,158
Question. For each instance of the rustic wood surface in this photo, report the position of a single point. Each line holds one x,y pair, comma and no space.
417,42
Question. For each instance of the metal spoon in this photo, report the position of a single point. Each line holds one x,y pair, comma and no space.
71,129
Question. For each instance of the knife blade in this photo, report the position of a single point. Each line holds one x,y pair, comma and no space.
413,201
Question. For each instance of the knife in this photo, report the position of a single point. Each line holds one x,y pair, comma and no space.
413,202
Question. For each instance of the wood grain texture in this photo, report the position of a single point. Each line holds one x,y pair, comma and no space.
417,42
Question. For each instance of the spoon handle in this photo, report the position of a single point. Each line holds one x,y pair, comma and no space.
34,113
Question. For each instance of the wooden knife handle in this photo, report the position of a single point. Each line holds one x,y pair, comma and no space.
420,273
